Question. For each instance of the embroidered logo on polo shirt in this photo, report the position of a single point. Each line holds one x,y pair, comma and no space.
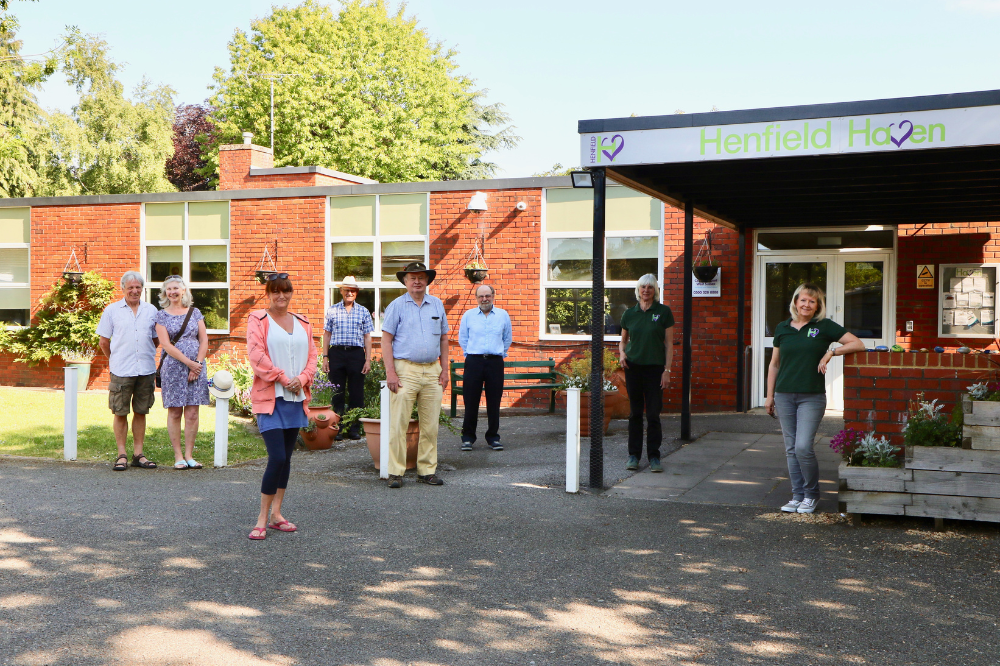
656,317
813,332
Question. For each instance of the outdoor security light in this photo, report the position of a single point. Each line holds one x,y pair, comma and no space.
477,202
582,178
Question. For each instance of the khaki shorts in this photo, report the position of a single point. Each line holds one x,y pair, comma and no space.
139,391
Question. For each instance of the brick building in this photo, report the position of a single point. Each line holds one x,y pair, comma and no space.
320,225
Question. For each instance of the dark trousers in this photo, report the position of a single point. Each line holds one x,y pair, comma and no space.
280,444
346,364
644,393
480,371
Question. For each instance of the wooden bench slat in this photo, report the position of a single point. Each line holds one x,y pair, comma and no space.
551,385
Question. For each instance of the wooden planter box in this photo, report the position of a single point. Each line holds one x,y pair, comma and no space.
981,429
935,482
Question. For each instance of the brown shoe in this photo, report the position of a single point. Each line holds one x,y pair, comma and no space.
395,481
430,479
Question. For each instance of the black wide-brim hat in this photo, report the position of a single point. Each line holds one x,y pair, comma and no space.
417,267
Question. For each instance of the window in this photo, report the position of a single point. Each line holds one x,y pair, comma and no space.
373,237
15,287
191,240
633,247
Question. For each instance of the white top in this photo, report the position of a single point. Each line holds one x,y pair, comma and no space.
133,352
289,353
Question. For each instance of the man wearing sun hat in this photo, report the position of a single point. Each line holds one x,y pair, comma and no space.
415,351
347,350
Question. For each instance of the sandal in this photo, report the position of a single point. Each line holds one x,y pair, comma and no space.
180,464
142,461
258,534
121,463
193,464
283,526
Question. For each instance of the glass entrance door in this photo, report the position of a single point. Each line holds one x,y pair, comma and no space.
857,298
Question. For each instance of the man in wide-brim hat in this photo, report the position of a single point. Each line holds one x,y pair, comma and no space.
347,350
415,352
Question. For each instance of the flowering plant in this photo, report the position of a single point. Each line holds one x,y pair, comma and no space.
322,390
928,425
846,443
878,452
989,391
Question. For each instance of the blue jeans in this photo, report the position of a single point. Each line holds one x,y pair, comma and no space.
800,415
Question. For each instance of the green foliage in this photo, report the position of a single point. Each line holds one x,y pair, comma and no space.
363,91
242,374
576,372
65,321
877,452
373,402
927,425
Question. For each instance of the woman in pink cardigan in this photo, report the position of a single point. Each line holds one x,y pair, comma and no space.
283,357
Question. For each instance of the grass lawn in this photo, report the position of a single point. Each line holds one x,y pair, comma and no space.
31,424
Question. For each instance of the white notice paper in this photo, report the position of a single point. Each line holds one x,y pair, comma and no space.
979,284
963,317
956,284
986,316
949,300
962,300
975,300
968,284
987,300
947,319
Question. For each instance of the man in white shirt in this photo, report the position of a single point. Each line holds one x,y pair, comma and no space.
128,338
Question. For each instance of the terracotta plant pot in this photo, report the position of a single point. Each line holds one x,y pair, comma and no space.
585,412
327,427
373,435
618,406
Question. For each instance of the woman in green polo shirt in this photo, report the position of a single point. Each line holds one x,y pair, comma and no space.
796,386
646,352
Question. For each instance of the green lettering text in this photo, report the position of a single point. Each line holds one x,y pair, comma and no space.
919,134
792,140
805,136
930,133
851,132
825,132
746,142
767,137
717,141
733,143
875,136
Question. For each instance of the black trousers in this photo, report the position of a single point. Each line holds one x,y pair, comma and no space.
346,364
482,371
644,394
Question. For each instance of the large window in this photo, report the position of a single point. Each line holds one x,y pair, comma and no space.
373,237
191,240
633,247
15,288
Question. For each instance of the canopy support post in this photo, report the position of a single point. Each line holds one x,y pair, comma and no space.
741,302
686,367
597,337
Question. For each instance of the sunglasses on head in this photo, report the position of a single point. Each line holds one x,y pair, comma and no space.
172,277
277,276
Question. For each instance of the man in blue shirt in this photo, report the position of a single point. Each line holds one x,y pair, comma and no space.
415,351
485,336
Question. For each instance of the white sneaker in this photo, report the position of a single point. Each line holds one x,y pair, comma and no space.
807,506
792,506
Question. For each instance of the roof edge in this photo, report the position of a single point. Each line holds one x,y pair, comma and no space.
323,171
804,112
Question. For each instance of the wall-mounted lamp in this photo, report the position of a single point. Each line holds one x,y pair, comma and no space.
582,178
478,202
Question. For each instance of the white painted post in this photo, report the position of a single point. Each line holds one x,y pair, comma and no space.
383,445
573,440
69,413
221,432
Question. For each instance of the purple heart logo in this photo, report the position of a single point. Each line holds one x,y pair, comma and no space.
906,136
617,147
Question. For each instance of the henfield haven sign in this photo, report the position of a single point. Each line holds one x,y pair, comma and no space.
945,128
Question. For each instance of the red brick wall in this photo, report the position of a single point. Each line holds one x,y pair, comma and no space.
934,244
235,162
879,385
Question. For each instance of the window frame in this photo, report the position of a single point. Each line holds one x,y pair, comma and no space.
185,245
376,283
20,285
545,283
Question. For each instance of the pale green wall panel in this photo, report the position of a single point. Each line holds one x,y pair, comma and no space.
352,216
165,221
207,220
403,214
15,225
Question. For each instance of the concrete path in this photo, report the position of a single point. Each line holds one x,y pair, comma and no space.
745,469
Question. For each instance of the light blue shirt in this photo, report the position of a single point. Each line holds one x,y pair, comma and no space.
481,333
416,330
133,352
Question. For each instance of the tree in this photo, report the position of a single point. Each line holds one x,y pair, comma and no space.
363,92
191,127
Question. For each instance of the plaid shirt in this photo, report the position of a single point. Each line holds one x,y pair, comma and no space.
348,327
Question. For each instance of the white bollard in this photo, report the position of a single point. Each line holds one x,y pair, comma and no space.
383,445
573,440
69,413
221,432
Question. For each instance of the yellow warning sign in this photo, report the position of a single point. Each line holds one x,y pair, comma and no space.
925,276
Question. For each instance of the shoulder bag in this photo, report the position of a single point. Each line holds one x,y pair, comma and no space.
173,341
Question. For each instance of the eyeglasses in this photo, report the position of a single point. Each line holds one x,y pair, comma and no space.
277,276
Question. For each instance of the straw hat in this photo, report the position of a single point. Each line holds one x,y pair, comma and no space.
222,385
350,282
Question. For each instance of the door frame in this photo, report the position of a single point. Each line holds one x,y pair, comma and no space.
834,258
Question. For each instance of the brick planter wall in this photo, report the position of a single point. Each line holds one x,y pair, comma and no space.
879,385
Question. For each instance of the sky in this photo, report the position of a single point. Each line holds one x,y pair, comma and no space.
554,63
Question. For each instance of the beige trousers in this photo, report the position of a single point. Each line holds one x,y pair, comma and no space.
419,383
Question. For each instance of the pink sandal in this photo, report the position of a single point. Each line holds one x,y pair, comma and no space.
283,526
260,532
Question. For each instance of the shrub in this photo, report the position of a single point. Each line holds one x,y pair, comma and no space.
576,372
878,452
927,425
243,379
846,443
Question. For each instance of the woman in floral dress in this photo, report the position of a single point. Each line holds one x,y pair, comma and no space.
184,378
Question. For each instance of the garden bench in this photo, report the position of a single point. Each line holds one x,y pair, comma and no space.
549,380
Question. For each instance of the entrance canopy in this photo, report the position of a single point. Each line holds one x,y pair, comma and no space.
892,161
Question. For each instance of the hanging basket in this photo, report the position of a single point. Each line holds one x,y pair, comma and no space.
73,277
476,275
705,273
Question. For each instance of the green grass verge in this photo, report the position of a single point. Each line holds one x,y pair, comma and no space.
31,424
